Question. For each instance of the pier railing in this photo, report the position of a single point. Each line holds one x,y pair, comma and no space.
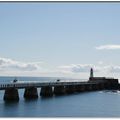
40,84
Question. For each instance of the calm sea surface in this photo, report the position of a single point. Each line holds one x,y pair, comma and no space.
91,104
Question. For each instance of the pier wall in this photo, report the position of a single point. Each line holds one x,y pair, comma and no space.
59,90
46,91
11,94
30,93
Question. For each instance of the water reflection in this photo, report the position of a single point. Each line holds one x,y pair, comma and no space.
10,109
30,100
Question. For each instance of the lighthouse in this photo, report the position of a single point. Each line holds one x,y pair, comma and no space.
91,73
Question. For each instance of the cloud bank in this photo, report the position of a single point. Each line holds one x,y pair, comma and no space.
75,68
108,47
13,67
84,68
9,64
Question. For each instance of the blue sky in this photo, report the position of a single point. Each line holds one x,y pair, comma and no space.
59,39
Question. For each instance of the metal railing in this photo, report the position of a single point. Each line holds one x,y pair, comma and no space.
40,84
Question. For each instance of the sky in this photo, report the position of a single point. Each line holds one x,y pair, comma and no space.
60,39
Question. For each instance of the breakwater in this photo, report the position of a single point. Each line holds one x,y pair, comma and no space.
56,88
49,89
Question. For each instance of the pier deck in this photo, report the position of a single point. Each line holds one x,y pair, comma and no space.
41,84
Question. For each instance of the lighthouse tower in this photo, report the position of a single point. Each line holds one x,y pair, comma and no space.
91,74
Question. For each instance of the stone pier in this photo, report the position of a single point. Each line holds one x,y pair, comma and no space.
101,86
11,94
46,91
95,87
70,89
59,90
31,93
83,88
80,88
107,86
114,85
88,87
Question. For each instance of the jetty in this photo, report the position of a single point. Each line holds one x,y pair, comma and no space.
58,87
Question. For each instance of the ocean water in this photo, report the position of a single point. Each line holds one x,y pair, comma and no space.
88,104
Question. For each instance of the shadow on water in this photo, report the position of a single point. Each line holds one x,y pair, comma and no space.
30,100
71,94
62,96
10,108
54,96
11,103
46,97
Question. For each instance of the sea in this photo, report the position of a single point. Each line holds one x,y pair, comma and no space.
98,104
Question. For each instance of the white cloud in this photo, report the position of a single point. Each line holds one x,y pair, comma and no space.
9,64
108,47
77,68
13,67
114,69
100,62
84,68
